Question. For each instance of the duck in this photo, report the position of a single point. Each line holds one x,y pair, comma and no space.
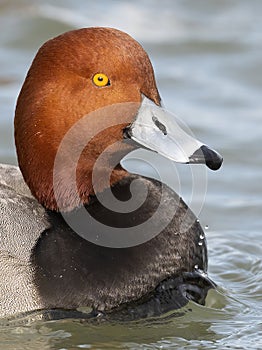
78,231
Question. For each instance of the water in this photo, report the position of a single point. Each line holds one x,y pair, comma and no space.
208,61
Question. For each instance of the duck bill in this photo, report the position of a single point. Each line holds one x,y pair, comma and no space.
158,130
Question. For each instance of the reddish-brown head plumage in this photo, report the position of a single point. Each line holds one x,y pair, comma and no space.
59,91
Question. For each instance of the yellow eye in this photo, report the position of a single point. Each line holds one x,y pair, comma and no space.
101,79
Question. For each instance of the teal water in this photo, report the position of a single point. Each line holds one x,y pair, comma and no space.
207,57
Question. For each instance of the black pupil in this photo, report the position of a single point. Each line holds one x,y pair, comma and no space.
100,78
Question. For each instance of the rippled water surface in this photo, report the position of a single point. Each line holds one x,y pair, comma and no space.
207,57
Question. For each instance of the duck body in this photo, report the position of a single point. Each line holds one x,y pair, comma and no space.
51,267
98,82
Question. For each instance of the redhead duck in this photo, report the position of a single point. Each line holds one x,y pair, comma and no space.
78,230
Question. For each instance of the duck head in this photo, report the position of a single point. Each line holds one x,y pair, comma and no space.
101,80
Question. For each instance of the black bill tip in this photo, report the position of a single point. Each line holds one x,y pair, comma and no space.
205,155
